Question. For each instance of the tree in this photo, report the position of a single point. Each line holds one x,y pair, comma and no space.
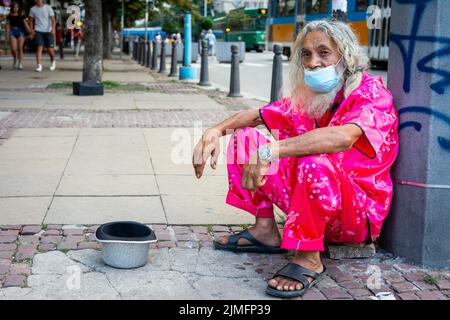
107,28
170,26
206,23
93,41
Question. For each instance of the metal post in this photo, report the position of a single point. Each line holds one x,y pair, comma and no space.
174,61
204,73
141,60
186,71
122,26
146,20
162,64
277,75
148,55
144,53
235,86
139,51
155,56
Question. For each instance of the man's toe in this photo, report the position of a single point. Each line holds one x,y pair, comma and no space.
273,283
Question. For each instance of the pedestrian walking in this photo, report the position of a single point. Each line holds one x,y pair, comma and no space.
16,30
211,38
77,37
43,28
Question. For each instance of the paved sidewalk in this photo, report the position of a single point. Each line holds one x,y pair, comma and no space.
63,262
68,164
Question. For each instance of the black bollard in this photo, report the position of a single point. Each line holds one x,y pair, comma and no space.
142,62
277,75
235,86
155,56
139,51
204,73
149,54
134,50
174,61
162,63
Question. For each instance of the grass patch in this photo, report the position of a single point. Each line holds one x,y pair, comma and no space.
112,85
60,85
430,280
107,85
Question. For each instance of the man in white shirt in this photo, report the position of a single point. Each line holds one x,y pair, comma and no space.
43,31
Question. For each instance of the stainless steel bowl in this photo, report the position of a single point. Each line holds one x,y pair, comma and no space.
125,243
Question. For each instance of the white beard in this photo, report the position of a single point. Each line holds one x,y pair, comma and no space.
317,104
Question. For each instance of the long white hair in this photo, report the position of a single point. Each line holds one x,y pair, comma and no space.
354,60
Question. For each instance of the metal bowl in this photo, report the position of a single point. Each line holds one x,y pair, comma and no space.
125,243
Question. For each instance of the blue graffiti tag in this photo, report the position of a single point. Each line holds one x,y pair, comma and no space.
443,142
408,53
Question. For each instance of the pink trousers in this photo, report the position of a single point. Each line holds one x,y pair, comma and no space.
312,190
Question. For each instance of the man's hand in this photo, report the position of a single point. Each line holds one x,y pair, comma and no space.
32,34
208,146
53,32
253,173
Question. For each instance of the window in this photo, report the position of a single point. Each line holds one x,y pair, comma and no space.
362,5
285,8
317,6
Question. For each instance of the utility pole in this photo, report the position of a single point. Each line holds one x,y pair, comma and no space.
205,8
122,26
146,19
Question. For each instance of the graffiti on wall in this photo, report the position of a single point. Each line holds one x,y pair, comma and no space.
427,63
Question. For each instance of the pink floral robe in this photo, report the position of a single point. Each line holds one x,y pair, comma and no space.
336,197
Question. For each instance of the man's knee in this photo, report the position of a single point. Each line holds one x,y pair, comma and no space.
312,168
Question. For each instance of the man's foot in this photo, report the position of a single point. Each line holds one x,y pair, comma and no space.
39,68
20,67
15,63
266,233
53,65
287,284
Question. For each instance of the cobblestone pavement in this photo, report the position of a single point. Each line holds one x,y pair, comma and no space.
347,278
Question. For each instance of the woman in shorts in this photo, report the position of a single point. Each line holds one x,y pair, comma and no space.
16,29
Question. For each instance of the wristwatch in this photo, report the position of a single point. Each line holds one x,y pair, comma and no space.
265,153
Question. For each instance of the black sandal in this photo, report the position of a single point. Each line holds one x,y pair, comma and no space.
256,246
298,273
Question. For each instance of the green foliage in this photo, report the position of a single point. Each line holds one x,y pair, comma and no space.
430,280
170,26
238,20
206,23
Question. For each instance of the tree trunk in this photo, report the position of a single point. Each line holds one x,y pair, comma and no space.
93,41
107,30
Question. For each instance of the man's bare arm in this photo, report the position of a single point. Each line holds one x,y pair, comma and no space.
242,119
321,140
53,20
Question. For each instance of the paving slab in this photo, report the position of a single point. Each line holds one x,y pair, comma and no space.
23,210
97,210
45,132
110,131
203,209
32,166
171,151
107,185
28,185
190,185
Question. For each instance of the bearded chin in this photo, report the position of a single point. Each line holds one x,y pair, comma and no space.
315,104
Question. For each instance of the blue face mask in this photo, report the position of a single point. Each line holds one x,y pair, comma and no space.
322,80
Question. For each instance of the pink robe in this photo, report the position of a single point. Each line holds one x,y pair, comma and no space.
335,197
